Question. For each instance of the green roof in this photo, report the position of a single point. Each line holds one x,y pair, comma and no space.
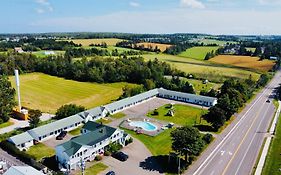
98,133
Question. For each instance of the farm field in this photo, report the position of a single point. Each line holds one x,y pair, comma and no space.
41,53
162,47
198,52
244,61
48,93
205,69
184,115
87,42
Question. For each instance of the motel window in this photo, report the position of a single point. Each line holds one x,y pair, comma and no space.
51,133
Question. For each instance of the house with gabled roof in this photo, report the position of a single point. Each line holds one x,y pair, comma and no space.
94,140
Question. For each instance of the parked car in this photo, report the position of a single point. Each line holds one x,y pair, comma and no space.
120,156
61,135
110,173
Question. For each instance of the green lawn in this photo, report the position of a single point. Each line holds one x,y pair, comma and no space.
198,52
76,131
184,115
104,120
273,159
95,169
6,124
204,69
198,85
47,93
41,53
40,151
157,145
118,115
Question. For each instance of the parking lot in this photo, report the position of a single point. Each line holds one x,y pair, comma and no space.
53,142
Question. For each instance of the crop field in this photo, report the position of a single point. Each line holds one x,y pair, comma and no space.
244,62
87,42
198,52
205,69
48,93
162,47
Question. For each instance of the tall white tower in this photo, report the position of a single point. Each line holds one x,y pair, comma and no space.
18,87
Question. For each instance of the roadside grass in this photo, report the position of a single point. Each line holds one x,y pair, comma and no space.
96,169
47,93
244,62
76,131
184,115
6,124
273,159
205,69
198,52
157,145
87,42
40,151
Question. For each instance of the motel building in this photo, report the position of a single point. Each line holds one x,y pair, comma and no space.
94,140
27,139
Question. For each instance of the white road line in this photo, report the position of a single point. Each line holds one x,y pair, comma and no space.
241,161
198,171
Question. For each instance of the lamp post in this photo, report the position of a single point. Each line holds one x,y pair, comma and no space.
82,165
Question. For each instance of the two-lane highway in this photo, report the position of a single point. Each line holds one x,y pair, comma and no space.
235,151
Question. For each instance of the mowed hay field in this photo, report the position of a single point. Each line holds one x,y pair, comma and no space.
162,47
244,61
204,69
198,52
87,42
48,93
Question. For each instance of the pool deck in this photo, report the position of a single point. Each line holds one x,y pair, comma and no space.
158,124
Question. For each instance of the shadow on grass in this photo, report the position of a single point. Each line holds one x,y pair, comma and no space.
205,128
162,164
51,163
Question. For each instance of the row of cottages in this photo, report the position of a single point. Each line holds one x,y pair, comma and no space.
94,140
27,139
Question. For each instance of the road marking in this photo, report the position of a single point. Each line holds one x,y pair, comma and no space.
242,118
250,144
222,152
245,136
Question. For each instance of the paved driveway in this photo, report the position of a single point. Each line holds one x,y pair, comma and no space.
138,153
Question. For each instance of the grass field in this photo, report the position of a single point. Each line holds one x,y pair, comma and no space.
162,47
41,53
214,41
199,86
273,159
76,131
40,151
244,62
184,115
87,42
198,52
48,93
251,49
204,69
158,145
95,169
6,124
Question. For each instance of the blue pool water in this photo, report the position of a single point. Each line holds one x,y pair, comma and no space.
144,125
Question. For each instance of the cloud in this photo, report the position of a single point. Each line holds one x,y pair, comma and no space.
270,2
192,4
180,21
134,4
44,6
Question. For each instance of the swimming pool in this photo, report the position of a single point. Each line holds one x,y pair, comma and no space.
144,125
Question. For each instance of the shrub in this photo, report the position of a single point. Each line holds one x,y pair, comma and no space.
208,138
155,112
98,158
107,153
130,140
114,147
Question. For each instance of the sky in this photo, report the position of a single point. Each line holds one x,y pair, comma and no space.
254,17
